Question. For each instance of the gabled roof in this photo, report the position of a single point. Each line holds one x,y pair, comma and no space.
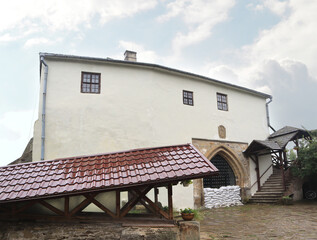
261,145
102,172
277,140
287,130
152,66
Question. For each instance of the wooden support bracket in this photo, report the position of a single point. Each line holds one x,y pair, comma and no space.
50,207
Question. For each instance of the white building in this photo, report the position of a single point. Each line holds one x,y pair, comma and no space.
93,105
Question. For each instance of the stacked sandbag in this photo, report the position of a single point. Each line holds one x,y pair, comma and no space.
222,197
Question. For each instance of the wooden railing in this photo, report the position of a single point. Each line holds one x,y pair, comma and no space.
259,180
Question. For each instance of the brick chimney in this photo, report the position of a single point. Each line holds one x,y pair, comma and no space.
130,56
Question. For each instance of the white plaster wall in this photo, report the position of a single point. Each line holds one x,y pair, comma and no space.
137,108
264,162
253,178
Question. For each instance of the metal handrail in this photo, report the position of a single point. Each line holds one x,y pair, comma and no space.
262,175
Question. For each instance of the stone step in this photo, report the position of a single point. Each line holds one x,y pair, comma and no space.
274,179
272,189
267,197
263,201
272,186
267,193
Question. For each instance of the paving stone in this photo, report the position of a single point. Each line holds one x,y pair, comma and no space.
255,221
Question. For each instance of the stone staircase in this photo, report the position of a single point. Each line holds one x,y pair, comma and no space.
271,191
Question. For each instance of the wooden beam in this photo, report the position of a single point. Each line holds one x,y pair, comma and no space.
170,200
82,205
118,203
152,204
143,202
257,168
156,192
284,165
66,206
101,206
282,168
253,159
28,205
134,200
50,207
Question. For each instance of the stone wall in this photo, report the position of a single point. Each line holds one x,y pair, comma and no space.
97,230
232,152
222,197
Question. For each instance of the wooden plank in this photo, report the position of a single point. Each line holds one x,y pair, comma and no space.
170,200
50,207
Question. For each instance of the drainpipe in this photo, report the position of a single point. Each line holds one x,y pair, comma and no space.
43,106
267,113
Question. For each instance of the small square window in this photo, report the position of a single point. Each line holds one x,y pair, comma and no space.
188,98
222,102
90,82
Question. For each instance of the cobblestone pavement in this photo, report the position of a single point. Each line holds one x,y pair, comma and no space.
298,221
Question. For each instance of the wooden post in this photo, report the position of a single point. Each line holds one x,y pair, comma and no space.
118,203
66,206
257,168
282,168
156,192
170,200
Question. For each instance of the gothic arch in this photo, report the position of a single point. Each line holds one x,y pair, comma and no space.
233,160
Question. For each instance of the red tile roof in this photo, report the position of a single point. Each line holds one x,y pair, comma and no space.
108,171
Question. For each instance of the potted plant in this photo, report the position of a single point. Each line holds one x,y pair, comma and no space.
186,182
187,214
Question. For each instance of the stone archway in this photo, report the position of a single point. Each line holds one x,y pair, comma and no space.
234,162
232,152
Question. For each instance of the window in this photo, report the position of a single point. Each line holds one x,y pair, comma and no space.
222,102
188,98
90,82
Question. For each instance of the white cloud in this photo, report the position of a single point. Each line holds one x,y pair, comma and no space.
143,55
200,16
8,38
39,41
223,73
282,62
71,15
276,6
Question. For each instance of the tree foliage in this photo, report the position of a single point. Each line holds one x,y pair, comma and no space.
305,166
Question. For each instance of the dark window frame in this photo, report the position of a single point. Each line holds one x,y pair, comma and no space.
83,89
222,102
188,98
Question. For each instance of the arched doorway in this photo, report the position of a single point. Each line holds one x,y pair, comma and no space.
226,175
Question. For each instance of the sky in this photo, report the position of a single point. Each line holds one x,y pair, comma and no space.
266,45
